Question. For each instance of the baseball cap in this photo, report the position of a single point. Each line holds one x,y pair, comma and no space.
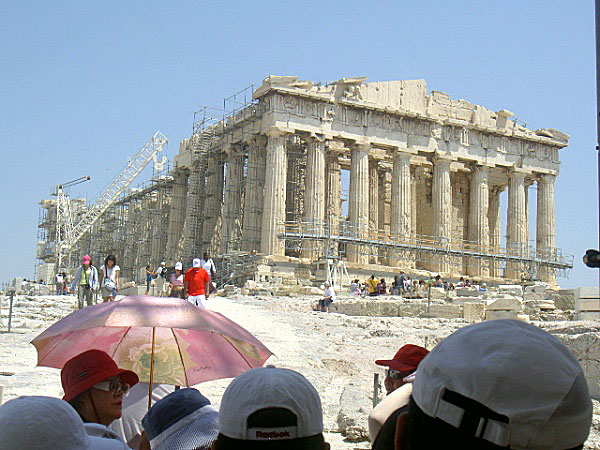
509,383
83,371
86,259
162,263
178,266
244,411
182,420
47,422
407,358
196,263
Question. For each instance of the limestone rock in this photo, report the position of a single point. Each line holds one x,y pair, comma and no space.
352,419
506,303
474,312
512,289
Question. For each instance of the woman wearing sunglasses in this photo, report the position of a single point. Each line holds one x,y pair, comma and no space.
94,386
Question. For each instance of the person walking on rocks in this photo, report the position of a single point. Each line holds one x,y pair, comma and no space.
161,278
59,284
85,282
149,277
195,284
328,297
109,278
207,264
176,281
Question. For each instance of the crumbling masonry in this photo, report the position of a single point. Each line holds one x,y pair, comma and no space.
261,187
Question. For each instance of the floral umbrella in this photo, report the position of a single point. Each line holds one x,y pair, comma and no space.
163,340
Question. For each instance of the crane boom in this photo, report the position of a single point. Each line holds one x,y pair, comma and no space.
111,194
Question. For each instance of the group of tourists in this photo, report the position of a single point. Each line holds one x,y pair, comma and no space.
473,390
89,281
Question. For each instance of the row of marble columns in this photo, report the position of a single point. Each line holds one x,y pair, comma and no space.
265,206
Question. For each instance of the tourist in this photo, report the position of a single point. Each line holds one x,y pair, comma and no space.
498,384
483,287
94,385
109,278
383,418
195,284
184,419
85,282
149,277
461,282
176,282
371,285
59,284
160,273
207,264
272,409
328,297
35,422
135,406
381,287
355,287
438,282
408,285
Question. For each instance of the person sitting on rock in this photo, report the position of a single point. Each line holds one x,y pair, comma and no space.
328,297
269,408
381,287
94,385
371,285
497,384
383,418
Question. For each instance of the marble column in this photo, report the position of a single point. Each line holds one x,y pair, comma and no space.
233,200
333,206
358,202
274,194
401,227
213,202
495,228
516,222
385,211
253,200
373,205
479,232
441,199
314,198
546,226
177,215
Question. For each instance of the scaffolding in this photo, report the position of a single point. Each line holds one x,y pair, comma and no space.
526,259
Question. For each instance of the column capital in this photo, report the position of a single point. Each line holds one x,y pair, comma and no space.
518,172
546,178
278,131
403,151
361,146
442,160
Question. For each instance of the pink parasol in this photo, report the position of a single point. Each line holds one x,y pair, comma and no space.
163,340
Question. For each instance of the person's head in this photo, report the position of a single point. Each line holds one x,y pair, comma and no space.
178,267
86,261
326,284
46,422
94,385
196,263
110,261
206,256
182,419
382,281
405,361
372,277
498,384
162,263
148,267
270,408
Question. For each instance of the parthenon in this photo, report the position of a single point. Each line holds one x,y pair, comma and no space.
262,188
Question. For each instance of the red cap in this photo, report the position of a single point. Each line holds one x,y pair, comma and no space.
83,371
407,358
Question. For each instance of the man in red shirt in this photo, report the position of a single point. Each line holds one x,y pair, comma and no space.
195,284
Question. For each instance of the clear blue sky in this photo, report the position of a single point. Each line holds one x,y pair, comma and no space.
85,84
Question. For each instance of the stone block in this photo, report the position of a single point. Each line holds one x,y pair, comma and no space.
512,289
250,284
501,314
587,292
411,309
587,304
474,312
311,290
438,293
467,292
445,311
504,304
587,315
565,299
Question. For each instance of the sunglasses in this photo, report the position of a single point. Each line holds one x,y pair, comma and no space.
397,374
113,385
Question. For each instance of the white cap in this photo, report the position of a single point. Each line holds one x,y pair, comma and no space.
162,263
264,388
46,422
510,369
178,266
196,263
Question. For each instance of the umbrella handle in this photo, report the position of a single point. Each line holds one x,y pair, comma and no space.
151,371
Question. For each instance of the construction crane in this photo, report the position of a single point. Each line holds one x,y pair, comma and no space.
69,233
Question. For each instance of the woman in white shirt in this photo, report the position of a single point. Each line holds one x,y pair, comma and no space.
109,278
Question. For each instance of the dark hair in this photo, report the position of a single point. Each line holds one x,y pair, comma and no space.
422,431
315,442
110,258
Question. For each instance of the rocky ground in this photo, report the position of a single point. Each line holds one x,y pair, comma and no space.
335,352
